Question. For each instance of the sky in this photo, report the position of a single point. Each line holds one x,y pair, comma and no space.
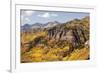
35,16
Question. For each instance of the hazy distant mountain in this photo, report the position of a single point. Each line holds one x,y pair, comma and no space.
25,27
36,25
28,27
51,24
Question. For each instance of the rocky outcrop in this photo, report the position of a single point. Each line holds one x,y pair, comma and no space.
75,34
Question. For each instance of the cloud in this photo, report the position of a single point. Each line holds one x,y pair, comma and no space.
47,15
25,16
27,19
55,15
27,13
24,20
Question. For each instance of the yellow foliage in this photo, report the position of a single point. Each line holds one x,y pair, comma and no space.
66,48
81,54
40,54
28,37
51,57
65,58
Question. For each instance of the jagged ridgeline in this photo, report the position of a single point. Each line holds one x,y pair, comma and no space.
55,41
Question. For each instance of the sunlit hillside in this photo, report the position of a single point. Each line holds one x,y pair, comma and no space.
63,42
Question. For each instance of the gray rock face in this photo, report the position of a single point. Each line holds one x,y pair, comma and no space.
74,35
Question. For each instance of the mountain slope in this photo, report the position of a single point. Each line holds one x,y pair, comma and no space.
56,41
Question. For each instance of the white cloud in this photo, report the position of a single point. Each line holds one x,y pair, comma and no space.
47,15
24,20
29,13
25,15
27,19
55,15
